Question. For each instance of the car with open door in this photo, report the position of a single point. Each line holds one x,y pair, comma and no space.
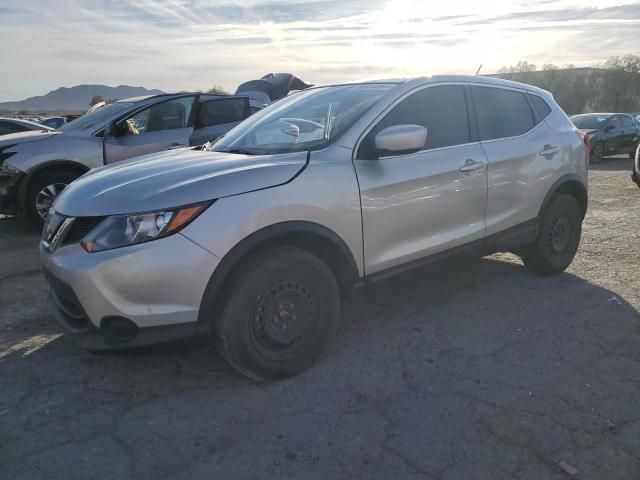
609,134
36,166
255,241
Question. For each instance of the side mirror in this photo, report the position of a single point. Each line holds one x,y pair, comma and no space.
401,138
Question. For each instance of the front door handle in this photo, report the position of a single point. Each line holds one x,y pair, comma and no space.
549,151
471,166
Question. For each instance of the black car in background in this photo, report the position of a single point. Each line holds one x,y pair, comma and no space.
609,134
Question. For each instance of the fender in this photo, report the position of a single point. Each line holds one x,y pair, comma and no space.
22,188
290,232
569,183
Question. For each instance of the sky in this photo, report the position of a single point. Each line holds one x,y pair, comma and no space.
178,45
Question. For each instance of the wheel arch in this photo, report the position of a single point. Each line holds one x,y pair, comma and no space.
571,184
69,165
309,236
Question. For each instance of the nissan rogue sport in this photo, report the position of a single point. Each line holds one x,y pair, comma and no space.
257,240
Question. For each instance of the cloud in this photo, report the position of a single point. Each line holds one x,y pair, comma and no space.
193,44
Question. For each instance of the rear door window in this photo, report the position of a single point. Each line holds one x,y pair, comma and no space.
615,122
501,113
627,121
9,127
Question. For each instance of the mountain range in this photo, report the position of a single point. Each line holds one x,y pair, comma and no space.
75,99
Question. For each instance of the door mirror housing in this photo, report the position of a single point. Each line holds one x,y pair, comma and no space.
401,139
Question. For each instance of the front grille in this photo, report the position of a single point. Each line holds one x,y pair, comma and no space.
80,228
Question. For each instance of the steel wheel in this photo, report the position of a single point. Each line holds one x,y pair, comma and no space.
597,153
46,196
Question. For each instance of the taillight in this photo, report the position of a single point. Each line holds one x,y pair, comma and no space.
585,139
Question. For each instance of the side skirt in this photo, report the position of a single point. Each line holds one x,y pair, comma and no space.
507,240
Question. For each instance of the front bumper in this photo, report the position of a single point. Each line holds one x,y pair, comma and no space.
9,192
156,286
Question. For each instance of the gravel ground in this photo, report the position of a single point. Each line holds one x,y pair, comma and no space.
485,372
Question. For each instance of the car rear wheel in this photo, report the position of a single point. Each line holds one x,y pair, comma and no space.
597,153
42,191
558,237
279,312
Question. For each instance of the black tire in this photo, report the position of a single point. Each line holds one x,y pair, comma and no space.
37,184
558,237
635,169
597,152
280,310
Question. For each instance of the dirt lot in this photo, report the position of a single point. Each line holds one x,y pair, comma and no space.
488,373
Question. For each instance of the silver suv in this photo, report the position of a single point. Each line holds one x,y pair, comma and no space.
257,241
36,166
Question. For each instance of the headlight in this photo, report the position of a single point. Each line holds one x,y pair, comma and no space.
122,230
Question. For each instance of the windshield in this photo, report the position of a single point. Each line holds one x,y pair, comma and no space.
590,122
307,120
96,117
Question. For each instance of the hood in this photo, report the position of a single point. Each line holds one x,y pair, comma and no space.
172,179
25,137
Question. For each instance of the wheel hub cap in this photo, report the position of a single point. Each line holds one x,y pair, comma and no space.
284,316
46,196
560,234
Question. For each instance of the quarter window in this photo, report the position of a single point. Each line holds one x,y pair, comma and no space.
542,108
441,109
501,113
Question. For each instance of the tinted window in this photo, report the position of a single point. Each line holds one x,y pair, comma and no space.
501,113
168,115
590,122
9,127
542,108
627,121
442,110
219,112
615,122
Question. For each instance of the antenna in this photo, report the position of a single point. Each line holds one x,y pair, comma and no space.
479,68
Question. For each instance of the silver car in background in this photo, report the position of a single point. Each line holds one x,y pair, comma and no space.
257,241
17,125
36,166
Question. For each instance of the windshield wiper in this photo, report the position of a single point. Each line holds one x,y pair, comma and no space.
239,151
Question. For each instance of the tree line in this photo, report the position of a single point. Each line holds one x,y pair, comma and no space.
611,86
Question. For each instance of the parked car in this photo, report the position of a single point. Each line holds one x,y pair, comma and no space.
270,88
16,125
609,134
57,122
257,240
36,166
635,169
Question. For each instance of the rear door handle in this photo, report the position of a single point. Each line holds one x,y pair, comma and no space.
549,151
471,166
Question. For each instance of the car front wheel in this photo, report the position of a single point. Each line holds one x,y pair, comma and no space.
597,153
42,191
278,313
635,173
